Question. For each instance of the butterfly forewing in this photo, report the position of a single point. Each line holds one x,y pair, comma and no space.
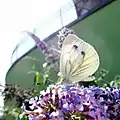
71,57
77,57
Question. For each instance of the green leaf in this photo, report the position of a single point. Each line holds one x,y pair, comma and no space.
24,118
32,72
59,79
112,83
33,67
38,79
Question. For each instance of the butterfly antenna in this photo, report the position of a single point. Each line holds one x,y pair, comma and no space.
61,18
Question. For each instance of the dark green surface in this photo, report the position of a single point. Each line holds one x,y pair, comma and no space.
101,29
19,73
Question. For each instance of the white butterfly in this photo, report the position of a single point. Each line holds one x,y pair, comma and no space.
78,60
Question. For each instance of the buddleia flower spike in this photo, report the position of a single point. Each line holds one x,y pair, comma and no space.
51,54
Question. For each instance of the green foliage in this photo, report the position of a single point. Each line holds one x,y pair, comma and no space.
24,118
100,77
42,79
11,113
101,81
115,82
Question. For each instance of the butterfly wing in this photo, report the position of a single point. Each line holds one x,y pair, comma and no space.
77,64
70,58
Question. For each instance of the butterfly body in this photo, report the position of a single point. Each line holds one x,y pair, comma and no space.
78,60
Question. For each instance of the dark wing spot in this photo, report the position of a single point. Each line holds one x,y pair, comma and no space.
83,53
75,46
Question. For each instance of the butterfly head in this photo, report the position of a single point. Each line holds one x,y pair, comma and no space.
66,82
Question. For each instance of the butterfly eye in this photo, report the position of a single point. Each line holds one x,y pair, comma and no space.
75,46
83,53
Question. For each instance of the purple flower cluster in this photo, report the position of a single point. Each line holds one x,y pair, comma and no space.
61,103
